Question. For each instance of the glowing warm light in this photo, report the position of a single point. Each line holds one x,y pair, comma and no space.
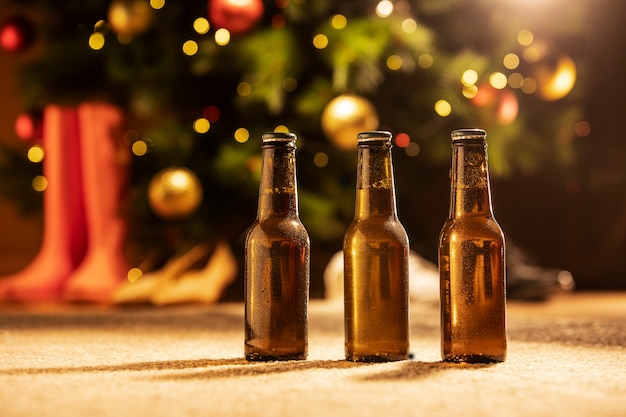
425,61
515,80
190,48
384,8
242,135
510,61
157,4
320,160
402,140
485,95
101,26
222,37
338,21
443,108
36,154
470,91
281,128
394,62
409,26
244,88
413,149
498,80
469,77
201,25
134,274
582,129
290,84
508,108
525,37
529,85
201,125
558,83
40,183
96,41
531,54
25,126
320,41
139,148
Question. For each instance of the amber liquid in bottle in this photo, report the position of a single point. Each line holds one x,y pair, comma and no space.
277,261
376,261
471,260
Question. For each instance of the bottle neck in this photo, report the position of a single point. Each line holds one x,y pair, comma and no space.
278,188
375,185
470,188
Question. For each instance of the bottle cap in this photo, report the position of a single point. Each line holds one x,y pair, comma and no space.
468,134
374,136
278,137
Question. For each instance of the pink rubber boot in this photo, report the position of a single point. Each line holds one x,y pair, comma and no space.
64,229
104,171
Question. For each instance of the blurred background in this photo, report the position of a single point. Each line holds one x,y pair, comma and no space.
199,81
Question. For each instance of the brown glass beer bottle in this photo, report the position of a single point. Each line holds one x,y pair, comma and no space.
277,261
375,254
471,260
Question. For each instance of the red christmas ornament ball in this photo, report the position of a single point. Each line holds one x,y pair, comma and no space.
237,16
16,34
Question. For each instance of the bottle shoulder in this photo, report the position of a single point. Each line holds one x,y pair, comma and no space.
275,227
472,226
376,228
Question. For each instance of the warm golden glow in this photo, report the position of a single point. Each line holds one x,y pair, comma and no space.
139,148
157,4
320,41
320,160
244,88
425,61
190,48
529,85
338,21
556,84
511,61
469,77
201,25
498,80
281,128
96,41
470,91
222,37
384,8
516,80
134,274
36,154
525,37
394,62
201,125
443,108
582,129
409,26
40,183
242,135
413,149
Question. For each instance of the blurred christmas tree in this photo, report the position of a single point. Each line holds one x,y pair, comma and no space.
200,82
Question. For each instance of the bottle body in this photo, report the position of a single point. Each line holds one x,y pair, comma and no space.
376,261
277,262
472,261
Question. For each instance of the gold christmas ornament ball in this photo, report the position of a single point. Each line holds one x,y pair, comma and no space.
174,192
345,116
130,16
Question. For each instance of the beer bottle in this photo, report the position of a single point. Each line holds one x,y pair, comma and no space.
375,254
471,260
277,265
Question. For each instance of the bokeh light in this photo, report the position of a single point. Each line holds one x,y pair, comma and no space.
244,88
338,21
96,41
40,183
510,61
409,26
402,140
525,37
290,84
515,80
469,77
36,154
190,47
412,149
470,91
201,125
582,128
394,62
242,135
425,61
320,159
139,148
320,41
443,108
281,128
157,4
134,274
201,25
384,8
212,113
222,37
498,80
